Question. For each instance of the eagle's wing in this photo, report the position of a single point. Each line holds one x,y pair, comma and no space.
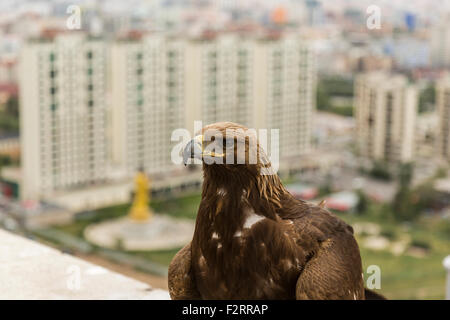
181,281
333,268
334,272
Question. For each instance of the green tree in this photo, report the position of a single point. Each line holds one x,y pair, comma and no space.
323,98
405,175
427,98
9,118
334,86
363,203
12,107
338,86
380,170
404,205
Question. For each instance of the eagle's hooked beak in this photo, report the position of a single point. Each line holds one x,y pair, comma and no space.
195,150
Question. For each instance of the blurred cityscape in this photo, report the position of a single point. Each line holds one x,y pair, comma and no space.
91,92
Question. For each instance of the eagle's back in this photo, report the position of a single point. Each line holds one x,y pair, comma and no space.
331,251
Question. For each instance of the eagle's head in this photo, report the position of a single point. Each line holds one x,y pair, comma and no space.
228,151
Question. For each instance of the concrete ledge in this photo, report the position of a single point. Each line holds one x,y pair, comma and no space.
29,270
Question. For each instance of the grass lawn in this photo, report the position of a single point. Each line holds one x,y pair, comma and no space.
402,277
162,257
183,207
405,276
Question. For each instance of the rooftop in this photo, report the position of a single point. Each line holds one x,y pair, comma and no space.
29,270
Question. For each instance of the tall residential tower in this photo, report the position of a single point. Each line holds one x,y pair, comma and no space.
63,116
385,109
161,83
148,89
443,108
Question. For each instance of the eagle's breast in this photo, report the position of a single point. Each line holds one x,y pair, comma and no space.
254,258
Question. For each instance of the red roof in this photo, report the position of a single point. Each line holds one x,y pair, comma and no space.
337,205
8,63
50,33
9,88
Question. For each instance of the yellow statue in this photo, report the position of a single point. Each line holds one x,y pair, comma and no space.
140,211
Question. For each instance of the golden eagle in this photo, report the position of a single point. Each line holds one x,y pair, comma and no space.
253,239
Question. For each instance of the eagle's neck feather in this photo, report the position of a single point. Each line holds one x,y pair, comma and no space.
230,237
227,204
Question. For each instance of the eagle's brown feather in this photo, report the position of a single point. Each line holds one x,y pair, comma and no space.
253,240
181,283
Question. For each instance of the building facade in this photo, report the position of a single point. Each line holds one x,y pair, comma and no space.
284,92
63,114
220,79
162,83
440,43
93,111
385,111
148,102
443,108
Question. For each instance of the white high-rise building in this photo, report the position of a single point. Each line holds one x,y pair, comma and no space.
284,75
385,110
72,137
219,78
440,43
162,83
148,87
63,114
443,108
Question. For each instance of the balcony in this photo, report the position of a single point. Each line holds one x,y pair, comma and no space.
29,270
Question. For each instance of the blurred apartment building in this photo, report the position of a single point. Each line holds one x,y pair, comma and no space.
163,83
262,82
158,83
284,92
148,102
385,109
443,108
440,43
63,114
360,61
8,71
8,81
221,79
